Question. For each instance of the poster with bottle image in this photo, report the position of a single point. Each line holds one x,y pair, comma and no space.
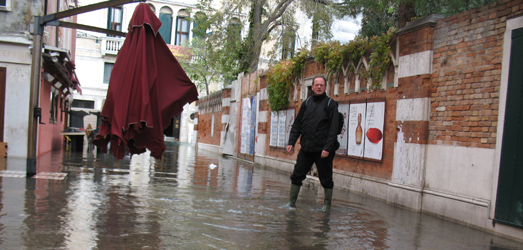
342,138
356,125
374,130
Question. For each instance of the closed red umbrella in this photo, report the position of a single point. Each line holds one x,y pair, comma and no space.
147,88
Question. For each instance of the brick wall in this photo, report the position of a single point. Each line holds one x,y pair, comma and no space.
467,72
381,169
460,81
209,106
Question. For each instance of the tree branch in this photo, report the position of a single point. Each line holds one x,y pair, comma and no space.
272,27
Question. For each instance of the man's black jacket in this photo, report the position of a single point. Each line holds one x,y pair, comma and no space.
317,124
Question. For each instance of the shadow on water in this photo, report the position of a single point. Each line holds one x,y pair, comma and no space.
194,199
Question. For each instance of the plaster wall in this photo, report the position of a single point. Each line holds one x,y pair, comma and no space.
18,19
409,158
415,64
16,108
460,170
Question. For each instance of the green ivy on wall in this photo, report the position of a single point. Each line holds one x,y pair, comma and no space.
280,78
333,55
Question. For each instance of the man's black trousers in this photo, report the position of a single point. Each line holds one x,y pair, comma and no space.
304,165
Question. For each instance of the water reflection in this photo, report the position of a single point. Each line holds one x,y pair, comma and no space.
193,199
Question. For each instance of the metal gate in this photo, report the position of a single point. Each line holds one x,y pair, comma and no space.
509,203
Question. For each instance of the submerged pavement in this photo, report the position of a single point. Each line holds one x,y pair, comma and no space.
195,199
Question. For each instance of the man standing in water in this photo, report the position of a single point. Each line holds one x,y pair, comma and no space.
317,124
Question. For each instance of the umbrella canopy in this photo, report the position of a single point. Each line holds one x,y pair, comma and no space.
147,88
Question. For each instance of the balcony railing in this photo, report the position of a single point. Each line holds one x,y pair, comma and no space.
111,45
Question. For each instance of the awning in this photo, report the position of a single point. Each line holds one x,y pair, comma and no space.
59,70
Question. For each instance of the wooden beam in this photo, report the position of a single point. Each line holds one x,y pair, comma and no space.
90,28
84,9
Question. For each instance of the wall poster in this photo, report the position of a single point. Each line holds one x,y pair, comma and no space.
374,130
288,125
282,117
245,125
356,123
342,138
252,134
273,142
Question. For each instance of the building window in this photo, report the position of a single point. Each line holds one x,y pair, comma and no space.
182,28
83,104
288,45
152,8
166,17
235,28
53,109
114,20
200,25
5,5
108,68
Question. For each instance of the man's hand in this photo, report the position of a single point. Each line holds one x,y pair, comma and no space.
290,148
324,154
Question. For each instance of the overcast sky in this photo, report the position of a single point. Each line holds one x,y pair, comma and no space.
346,29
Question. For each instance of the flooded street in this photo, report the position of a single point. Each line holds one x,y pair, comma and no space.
195,199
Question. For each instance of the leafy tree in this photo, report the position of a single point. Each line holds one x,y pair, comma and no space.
220,53
380,15
212,59
266,20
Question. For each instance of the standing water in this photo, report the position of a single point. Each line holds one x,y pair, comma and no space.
194,199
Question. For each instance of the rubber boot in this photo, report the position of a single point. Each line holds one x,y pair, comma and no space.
295,190
327,202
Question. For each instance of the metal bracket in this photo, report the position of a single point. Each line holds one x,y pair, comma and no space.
38,114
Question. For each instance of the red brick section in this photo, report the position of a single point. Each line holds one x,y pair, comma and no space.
196,116
416,41
209,106
415,86
468,50
204,128
226,93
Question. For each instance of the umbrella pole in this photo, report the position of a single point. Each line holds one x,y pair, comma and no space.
34,111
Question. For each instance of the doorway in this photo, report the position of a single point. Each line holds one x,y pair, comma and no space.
509,202
2,101
173,130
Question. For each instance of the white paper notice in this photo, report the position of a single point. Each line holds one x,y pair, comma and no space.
288,125
274,129
282,117
342,138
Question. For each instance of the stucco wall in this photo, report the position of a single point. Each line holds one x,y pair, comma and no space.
16,107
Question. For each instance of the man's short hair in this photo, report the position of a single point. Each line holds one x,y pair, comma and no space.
319,76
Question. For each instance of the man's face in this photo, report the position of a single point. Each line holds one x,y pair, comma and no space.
318,86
